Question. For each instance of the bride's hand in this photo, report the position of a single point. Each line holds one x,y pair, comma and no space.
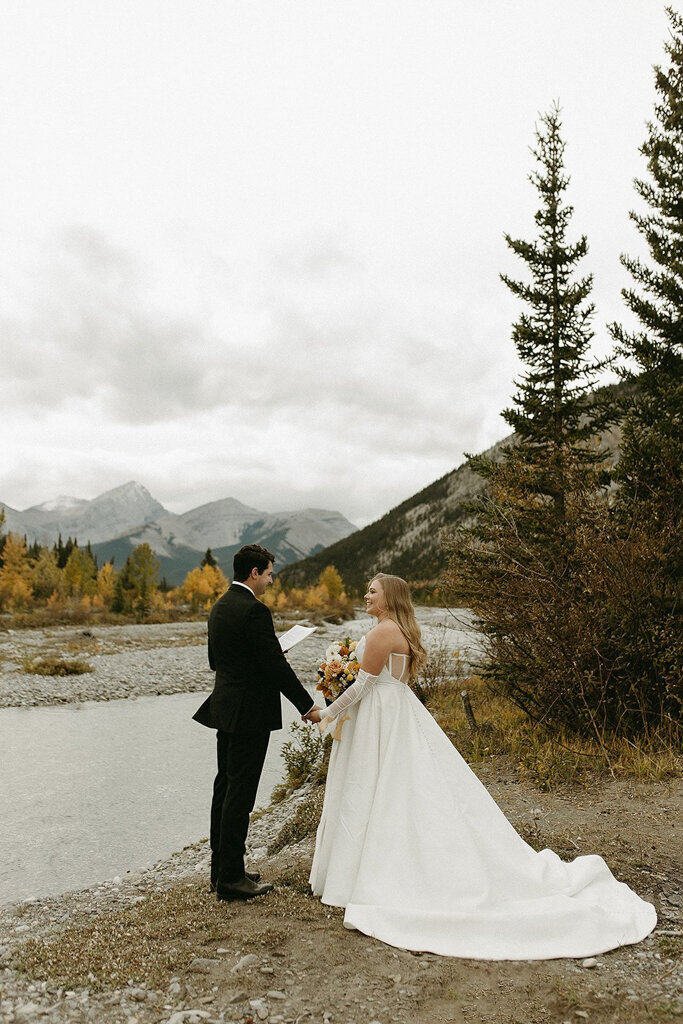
313,715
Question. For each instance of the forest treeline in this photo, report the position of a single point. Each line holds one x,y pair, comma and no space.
64,583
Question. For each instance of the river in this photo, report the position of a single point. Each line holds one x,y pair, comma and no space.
90,791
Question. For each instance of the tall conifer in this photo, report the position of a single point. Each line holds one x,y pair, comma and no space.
516,565
649,470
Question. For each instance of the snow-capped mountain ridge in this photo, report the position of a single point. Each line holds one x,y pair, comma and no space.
125,516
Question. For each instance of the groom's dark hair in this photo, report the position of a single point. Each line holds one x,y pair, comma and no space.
251,556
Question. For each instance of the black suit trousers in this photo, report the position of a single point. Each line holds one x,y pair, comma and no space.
240,762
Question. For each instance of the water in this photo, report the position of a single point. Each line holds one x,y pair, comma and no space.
91,791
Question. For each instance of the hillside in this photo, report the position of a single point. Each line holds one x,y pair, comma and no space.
407,540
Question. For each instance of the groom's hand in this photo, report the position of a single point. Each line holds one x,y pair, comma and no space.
313,715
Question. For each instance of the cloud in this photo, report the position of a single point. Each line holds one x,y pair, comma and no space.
287,369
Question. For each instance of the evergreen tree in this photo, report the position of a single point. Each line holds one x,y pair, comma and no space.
3,537
34,551
649,499
553,416
137,582
649,470
59,552
91,555
208,559
516,565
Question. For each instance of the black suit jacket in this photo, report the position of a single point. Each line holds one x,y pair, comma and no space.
251,670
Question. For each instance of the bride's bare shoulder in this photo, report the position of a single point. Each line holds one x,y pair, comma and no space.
385,634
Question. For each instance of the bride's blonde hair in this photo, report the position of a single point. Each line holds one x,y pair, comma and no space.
400,609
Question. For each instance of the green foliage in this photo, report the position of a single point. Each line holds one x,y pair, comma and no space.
305,756
209,560
304,822
137,583
649,470
555,417
522,565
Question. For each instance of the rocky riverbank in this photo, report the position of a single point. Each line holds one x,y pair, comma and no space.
125,661
155,946
149,660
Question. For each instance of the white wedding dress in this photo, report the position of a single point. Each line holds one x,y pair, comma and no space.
421,856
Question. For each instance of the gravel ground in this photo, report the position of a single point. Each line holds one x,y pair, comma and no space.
142,660
264,963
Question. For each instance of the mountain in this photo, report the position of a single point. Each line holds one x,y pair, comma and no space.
108,515
118,520
407,540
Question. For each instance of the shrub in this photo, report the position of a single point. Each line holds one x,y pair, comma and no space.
53,665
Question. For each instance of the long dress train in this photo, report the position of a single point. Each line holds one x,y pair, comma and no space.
420,855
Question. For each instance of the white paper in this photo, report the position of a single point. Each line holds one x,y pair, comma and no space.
294,636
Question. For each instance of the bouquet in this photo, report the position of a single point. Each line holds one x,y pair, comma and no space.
338,670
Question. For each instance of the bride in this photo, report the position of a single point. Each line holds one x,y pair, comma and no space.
415,849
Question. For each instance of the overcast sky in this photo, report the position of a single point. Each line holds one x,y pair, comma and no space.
252,248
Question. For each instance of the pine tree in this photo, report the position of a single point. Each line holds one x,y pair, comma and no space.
208,559
516,566
650,493
59,552
553,416
3,537
137,582
649,470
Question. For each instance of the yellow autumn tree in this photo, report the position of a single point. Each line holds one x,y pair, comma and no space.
332,581
201,587
106,581
80,574
46,575
16,590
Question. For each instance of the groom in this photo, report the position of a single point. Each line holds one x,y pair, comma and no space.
251,673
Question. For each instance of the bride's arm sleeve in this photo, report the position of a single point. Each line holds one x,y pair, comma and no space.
364,682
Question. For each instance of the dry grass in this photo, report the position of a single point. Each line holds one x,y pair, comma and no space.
54,665
302,824
548,759
148,942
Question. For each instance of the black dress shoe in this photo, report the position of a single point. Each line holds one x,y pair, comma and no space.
244,889
254,876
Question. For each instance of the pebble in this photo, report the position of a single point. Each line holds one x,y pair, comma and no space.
590,961
247,961
202,964
188,1017
237,997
